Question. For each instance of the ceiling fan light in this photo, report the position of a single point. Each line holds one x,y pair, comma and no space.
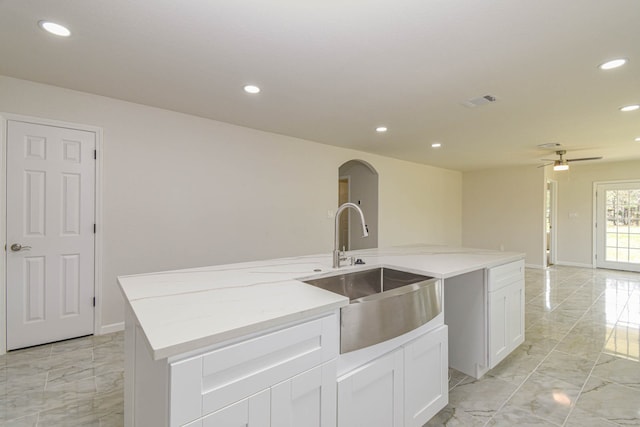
614,63
252,89
54,28
633,107
561,167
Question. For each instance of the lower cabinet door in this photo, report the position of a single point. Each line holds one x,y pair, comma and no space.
515,316
372,396
506,321
306,400
251,412
498,333
426,377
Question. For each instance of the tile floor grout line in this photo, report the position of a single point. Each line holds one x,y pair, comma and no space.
526,379
581,390
541,362
46,381
571,409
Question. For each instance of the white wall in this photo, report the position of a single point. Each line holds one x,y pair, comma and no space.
182,191
503,208
575,206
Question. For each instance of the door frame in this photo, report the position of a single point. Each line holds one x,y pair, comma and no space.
98,242
594,234
552,187
348,179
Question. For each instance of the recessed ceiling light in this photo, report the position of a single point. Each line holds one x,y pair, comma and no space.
633,107
381,129
436,145
614,63
251,89
53,28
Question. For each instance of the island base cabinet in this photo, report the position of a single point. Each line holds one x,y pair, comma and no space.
372,395
426,377
307,400
251,412
506,310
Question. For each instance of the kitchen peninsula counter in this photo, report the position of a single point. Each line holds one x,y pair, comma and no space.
185,310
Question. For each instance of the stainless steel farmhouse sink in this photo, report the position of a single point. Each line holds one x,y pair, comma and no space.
384,303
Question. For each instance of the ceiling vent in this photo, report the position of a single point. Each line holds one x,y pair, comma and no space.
480,101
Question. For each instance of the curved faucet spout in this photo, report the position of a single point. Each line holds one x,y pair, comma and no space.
365,232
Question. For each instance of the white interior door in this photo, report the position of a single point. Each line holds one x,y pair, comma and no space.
618,225
50,233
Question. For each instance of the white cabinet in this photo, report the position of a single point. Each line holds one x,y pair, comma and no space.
205,383
506,310
426,379
225,377
250,412
484,310
285,377
406,387
307,400
372,395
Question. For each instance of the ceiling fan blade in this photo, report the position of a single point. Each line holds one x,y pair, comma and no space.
583,159
546,164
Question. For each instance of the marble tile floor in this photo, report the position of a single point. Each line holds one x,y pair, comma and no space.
70,383
579,365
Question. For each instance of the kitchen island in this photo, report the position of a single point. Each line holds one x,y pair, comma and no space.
250,341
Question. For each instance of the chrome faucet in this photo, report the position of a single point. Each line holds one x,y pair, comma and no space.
365,233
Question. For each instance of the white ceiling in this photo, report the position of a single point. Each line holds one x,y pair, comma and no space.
333,70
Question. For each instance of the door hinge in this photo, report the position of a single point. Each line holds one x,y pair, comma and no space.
95,154
94,228
94,301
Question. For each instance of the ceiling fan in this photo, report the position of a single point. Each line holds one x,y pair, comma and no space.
562,164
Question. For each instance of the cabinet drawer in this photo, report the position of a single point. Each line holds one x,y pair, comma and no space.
504,275
206,383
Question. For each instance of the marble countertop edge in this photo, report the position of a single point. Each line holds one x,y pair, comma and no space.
162,350
180,311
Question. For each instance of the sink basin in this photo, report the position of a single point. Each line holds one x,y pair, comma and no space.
383,303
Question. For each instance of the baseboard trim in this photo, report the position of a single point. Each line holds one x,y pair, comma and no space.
113,327
536,266
574,264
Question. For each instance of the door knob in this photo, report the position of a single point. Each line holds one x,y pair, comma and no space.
17,247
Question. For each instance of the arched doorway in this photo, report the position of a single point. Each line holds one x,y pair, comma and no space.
358,183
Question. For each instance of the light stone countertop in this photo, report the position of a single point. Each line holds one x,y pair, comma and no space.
185,310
